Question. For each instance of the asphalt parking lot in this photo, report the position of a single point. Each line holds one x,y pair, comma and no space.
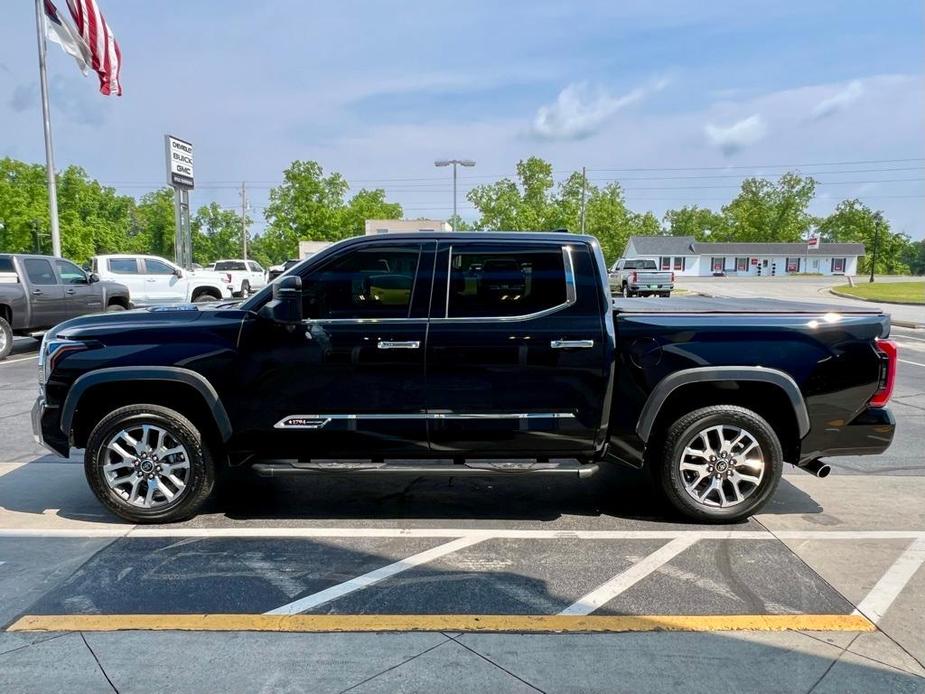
502,584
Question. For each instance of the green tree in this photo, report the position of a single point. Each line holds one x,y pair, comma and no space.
524,205
699,222
914,257
853,221
768,211
153,226
23,206
216,234
366,204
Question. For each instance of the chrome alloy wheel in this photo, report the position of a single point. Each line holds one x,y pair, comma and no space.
722,466
146,466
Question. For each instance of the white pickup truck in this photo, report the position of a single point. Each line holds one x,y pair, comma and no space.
640,277
247,276
153,280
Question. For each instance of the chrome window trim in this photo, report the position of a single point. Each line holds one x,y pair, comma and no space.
325,418
571,294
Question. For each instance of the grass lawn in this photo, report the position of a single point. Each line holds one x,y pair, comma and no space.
911,292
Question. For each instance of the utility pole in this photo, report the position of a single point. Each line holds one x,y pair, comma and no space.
244,219
584,186
46,122
454,163
873,262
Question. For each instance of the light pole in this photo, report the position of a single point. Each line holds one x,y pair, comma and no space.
454,163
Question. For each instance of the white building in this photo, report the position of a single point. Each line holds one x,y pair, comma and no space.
385,226
308,248
685,256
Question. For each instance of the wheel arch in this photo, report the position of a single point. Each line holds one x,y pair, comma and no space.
182,389
770,393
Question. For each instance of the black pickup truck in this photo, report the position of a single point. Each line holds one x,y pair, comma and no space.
463,354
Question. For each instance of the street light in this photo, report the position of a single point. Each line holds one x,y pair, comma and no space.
454,163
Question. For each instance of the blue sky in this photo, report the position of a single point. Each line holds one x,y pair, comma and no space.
678,100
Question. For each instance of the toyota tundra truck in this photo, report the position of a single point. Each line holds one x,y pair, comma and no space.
463,354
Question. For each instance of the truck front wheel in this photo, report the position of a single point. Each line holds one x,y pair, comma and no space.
149,464
720,464
6,338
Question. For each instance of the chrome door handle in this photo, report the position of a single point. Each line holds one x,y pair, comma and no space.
571,344
389,344
71,291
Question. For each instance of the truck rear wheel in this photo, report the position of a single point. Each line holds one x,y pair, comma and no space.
6,338
149,464
720,464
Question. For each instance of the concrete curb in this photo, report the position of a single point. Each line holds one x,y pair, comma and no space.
875,301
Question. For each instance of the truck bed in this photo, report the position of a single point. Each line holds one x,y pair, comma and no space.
703,304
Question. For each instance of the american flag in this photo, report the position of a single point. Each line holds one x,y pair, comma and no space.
107,58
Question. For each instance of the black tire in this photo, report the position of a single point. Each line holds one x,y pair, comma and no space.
666,294
205,297
626,291
682,433
201,474
6,338
114,307
245,289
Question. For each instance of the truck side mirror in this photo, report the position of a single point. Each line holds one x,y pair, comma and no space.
92,277
178,272
286,305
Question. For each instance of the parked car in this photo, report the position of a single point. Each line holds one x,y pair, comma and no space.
246,275
38,292
152,280
640,277
388,350
277,270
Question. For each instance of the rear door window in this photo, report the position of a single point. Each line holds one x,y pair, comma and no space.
39,271
123,266
495,280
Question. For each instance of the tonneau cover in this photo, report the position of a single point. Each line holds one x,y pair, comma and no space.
704,304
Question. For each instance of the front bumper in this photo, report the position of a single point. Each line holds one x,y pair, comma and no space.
46,427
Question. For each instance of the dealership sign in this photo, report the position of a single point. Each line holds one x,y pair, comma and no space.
179,162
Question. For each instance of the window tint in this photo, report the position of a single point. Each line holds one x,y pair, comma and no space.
254,267
366,283
39,271
229,266
6,265
639,265
500,281
123,266
70,273
157,267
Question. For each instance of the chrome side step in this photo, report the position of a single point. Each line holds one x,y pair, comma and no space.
288,468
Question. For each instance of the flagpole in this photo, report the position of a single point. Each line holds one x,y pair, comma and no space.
46,120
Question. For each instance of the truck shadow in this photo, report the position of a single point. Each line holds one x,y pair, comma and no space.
52,486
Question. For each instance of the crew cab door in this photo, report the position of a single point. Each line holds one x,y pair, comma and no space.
515,353
349,381
162,286
81,297
46,295
126,271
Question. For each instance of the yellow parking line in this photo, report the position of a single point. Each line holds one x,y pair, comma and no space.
449,622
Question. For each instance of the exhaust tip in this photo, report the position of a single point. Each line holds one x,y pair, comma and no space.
823,471
817,468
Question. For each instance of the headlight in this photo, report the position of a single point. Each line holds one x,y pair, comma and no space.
50,353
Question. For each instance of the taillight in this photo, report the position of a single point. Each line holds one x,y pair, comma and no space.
228,278
635,277
889,353
672,277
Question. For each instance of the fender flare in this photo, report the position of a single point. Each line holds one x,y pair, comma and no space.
169,374
707,374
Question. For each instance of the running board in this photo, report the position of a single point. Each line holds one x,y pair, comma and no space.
286,468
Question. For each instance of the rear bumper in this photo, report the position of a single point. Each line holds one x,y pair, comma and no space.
46,427
663,287
870,433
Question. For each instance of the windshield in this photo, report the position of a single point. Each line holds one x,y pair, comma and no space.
639,265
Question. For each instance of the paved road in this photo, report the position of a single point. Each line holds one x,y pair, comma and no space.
412,569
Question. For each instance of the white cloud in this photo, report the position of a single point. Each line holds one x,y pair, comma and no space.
838,101
581,110
737,136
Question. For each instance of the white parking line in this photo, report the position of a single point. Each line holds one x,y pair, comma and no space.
7,362
129,531
373,577
625,580
890,585
914,363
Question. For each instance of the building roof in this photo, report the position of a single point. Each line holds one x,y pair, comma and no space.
686,245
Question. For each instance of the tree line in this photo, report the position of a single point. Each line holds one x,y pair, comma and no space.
312,205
